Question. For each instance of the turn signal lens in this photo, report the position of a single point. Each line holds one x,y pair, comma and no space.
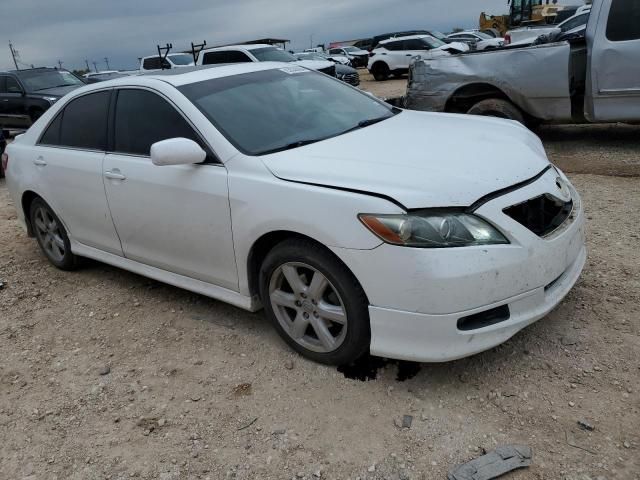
433,228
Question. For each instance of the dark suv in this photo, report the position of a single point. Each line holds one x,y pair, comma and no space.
27,94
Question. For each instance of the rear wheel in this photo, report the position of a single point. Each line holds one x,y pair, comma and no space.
315,303
497,107
51,236
380,71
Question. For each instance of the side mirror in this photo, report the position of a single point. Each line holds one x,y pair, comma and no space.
177,151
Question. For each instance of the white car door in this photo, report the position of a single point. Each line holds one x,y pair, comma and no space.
411,49
613,89
68,160
393,54
173,217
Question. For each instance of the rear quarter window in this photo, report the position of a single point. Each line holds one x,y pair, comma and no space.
624,21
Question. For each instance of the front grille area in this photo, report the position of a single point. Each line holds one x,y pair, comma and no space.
352,79
542,215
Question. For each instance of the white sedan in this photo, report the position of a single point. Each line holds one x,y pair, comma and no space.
358,227
477,40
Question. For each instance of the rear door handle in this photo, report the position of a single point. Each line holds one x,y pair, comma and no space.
40,162
114,175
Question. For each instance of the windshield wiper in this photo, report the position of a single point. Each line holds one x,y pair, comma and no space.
366,123
56,86
291,146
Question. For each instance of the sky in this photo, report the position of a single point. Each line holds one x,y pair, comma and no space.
45,31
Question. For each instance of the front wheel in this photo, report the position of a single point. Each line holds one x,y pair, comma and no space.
51,236
380,71
315,303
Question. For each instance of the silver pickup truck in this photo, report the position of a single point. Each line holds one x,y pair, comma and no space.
594,79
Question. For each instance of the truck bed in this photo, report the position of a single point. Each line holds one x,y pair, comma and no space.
536,78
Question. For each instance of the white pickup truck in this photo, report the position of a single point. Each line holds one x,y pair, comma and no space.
594,79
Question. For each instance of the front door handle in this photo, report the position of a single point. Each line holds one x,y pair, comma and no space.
114,175
40,162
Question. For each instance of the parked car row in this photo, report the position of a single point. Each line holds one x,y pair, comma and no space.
26,94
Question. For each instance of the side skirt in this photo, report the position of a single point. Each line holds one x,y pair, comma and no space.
251,304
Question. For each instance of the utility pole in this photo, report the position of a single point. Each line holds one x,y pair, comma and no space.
86,62
14,54
106,60
60,64
95,67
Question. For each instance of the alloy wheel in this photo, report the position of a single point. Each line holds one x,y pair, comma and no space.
49,234
308,307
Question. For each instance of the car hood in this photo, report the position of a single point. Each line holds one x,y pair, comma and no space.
419,159
56,91
455,47
315,64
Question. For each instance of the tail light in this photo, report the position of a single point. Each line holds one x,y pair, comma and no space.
507,39
5,162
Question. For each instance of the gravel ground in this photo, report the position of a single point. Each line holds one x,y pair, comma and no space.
105,374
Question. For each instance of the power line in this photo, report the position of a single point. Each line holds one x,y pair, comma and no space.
14,54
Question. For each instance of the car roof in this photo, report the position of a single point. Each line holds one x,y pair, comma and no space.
248,47
464,32
408,37
184,76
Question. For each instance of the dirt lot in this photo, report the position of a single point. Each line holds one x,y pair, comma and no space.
105,374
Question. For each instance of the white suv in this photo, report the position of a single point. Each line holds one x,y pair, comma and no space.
393,56
259,53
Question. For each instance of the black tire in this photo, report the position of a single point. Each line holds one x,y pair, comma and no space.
380,71
497,107
354,302
66,261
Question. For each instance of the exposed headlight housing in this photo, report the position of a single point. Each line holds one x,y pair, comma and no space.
433,229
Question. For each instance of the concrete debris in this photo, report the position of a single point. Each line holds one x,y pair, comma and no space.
494,464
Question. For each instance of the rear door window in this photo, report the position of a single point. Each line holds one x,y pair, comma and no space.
152,63
228,56
624,20
393,46
415,44
3,84
84,122
143,118
51,135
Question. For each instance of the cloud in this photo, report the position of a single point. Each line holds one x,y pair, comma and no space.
74,30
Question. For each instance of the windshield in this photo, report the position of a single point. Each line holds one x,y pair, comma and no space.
433,42
35,80
483,35
181,59
272,110
272,54
350,49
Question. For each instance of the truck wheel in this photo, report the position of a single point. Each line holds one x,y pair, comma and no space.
380,71
496,107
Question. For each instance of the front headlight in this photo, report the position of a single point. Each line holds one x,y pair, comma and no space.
51,100
433,229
